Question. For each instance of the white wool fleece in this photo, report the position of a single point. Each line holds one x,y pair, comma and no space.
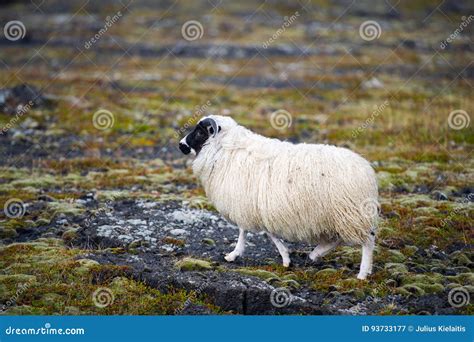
299,192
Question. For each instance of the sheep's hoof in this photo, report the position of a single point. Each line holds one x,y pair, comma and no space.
286,263
316,259
362,275
231,257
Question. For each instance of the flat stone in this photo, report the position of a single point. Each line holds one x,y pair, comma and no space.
178,232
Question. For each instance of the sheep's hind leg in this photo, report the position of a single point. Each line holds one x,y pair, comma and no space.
366,263
322,249
282,249
239,247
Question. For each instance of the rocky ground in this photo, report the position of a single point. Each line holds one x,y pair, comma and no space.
103,216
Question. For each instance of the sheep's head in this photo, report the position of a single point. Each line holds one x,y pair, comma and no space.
206,128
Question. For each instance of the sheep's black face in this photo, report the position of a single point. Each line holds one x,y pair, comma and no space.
198,137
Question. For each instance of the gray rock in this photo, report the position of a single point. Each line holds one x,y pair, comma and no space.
178,232
439,196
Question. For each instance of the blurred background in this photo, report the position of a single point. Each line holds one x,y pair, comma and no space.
95,95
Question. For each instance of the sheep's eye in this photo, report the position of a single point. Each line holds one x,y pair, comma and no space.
210,130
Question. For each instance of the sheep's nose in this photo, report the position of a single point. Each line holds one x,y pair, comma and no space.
184,148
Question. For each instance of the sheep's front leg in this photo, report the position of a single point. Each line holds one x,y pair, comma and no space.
285,255
239,247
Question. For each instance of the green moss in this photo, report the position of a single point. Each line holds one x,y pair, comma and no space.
460,259
8,233
209,242
431,288
416,201
423,278
262,274
410,289
199,202
388,181
289,276
36,181
326,272
348,254
112,195
65,208
426,211
394,256
42,221
289,283
25,310
428,283
396,267
17,278
192,264
463,278
69,235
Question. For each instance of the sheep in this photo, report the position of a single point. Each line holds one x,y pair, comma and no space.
309,193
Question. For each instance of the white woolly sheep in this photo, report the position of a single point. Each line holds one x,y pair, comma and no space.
308,193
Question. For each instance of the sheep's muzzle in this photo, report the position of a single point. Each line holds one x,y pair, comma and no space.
184,148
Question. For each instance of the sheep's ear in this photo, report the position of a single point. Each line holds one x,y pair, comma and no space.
213,129
210,125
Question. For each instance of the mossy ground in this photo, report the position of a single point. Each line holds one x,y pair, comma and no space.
45,277
54,156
